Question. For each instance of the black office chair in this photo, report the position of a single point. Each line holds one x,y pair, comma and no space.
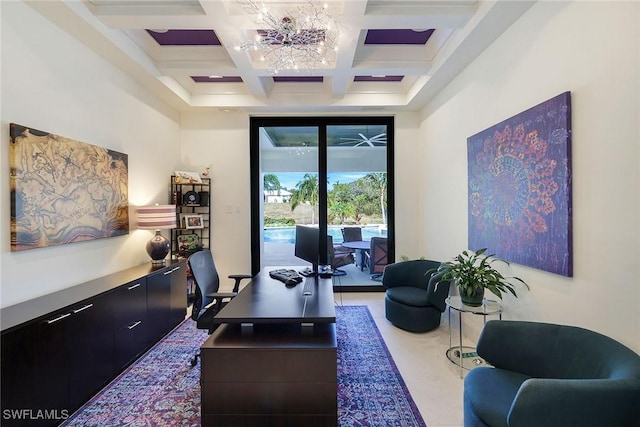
208,301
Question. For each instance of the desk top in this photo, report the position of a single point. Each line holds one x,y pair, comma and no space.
357,244
266,300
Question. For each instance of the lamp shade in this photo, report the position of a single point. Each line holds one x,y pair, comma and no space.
157,217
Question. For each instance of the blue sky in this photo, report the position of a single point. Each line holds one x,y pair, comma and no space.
290,179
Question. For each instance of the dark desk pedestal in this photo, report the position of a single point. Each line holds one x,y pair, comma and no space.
276,375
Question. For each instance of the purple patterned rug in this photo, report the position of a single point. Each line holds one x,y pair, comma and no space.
161,388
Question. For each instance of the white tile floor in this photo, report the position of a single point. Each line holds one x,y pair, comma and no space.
433,381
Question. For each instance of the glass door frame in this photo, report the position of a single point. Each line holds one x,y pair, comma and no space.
322,123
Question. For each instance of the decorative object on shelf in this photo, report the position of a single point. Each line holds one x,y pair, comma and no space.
473,273
157,217
193,221
188,244
183,177
203,197
191,198
287,39
58,196
207,172
520,187
177,198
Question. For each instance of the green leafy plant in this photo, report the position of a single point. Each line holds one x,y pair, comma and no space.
473,272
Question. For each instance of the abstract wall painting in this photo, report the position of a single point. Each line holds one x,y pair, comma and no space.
520,187
64,191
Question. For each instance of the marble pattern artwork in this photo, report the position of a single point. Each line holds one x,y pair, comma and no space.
64,191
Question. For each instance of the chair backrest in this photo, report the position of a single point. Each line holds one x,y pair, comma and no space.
352,234
556,351
378,253
409,273
206,280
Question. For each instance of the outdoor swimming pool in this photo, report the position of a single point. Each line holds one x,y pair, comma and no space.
288,234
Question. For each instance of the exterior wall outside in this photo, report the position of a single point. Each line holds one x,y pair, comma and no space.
52,82
549,51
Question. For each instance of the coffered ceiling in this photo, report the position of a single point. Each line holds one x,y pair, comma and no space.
392,55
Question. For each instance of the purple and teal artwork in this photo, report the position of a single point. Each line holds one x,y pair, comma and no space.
520,187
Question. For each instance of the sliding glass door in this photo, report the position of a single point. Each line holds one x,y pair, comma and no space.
331,173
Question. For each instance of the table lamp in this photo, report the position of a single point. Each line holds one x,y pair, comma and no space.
157,217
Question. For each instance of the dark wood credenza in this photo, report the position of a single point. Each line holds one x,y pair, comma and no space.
58,350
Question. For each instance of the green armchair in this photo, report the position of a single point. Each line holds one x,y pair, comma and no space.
551,375
414,301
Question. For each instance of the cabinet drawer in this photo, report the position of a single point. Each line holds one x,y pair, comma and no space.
129,342
130,302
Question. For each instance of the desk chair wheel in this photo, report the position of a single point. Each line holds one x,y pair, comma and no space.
194,360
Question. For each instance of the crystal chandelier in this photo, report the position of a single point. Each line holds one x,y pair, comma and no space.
305,38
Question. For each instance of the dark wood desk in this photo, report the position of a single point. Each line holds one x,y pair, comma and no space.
266,300
273,360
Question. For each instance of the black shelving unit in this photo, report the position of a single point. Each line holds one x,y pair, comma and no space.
191,199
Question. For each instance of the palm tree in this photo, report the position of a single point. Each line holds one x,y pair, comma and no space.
271,182
306,191
379,181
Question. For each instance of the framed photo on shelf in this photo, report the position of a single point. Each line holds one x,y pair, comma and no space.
193,221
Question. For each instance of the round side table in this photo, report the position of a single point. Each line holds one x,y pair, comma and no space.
465,356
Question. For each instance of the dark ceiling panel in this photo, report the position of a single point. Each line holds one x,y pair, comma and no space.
222,79
378,78
397,37
185,38
299,79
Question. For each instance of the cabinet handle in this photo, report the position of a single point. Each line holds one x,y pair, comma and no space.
134,324
166,273
58,318
130,288
82,308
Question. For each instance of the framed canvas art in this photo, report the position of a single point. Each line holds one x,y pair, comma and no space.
520,187
64,191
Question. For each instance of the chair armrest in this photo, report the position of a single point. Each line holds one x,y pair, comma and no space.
584,403
222,295
438,291
238,278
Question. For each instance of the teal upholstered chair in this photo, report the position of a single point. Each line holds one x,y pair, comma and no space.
414,301
551,375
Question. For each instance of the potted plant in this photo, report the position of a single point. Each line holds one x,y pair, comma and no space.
473,273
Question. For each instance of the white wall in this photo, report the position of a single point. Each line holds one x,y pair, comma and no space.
52,82
591,49
222,141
